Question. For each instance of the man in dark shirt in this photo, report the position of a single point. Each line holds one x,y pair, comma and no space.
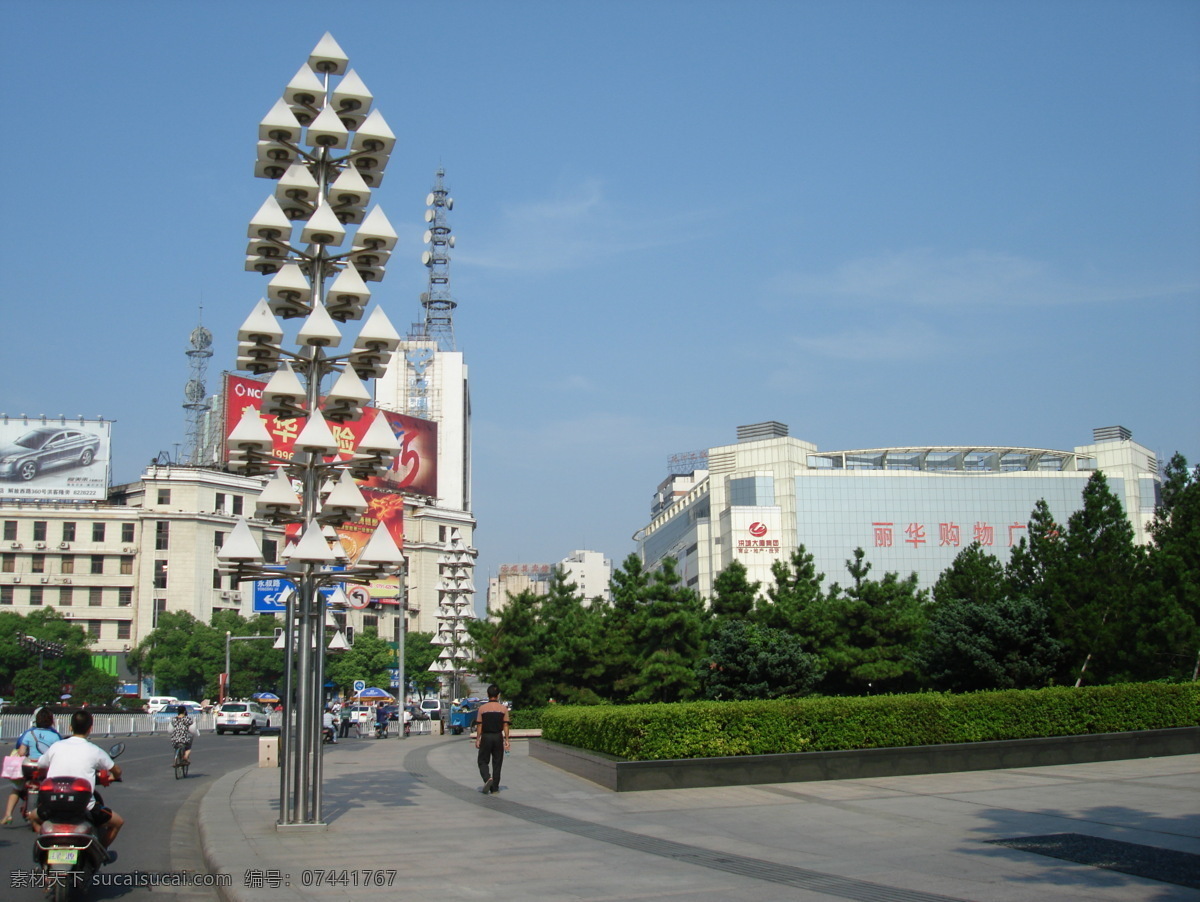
491,738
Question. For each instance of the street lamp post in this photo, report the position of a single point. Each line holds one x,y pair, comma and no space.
326,149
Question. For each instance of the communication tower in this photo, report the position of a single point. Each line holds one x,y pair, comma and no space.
439,306
195,393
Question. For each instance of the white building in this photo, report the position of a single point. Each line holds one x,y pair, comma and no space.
909,509
590,571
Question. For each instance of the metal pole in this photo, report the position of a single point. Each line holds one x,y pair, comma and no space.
225,688
402,634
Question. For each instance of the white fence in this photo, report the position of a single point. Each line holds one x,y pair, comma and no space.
117,725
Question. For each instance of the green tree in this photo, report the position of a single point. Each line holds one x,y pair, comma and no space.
748,661
571,631
734,594
370,659
666,630
1003,643
175,653
508,652
419,653
974,576
793,600
93,687
36,686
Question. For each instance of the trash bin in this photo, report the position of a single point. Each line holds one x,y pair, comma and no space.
268,751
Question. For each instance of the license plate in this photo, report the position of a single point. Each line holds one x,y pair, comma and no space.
62,856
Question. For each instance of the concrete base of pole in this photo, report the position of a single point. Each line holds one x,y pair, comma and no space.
301,828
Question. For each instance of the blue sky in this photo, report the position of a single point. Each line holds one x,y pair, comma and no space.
880,223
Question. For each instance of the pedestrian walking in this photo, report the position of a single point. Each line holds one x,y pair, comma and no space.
491,738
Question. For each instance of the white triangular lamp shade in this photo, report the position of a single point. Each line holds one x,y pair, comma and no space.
277,496
327,130
316,437
270,222
312,547
289,283
348,388
375,231
328,57
240,545
304,88
297,184
350,189
280,123
377,333
338,642
319,330
381,549
352,95
348,288
379,438
374,134
284,387
250,434
323,227
261,326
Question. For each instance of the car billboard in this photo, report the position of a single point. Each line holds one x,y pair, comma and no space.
54,459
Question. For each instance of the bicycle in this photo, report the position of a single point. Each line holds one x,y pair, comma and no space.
180,764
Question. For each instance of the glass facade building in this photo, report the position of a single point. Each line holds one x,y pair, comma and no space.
911,510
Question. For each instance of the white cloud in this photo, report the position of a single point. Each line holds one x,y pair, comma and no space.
923,277
577,227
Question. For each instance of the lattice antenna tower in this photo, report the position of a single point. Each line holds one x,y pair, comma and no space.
195,393
439,306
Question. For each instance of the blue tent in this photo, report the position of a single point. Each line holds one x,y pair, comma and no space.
372,692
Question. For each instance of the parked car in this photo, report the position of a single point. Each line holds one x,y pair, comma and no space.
432,707
417,713
242,717
160,703
45,448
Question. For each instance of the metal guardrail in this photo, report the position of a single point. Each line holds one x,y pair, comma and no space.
13,725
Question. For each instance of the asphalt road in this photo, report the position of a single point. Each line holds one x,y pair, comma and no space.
159,842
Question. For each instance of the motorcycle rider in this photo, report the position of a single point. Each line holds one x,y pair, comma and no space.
381,719
77,757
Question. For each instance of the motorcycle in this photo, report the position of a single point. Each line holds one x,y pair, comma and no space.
381,729
67,850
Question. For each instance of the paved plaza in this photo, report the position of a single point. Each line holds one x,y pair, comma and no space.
413,807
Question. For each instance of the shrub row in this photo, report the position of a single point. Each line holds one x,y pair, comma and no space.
715,729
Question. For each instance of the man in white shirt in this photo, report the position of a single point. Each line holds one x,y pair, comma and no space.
80,758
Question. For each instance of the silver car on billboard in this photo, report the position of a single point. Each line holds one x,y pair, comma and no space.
46,448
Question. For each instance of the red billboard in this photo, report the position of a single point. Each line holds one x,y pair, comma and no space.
414,470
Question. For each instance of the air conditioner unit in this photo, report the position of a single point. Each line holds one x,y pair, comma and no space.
129,549
63,546
66,581
40,546
45,579
15,545
16,579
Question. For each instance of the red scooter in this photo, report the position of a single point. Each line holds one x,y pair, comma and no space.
67,850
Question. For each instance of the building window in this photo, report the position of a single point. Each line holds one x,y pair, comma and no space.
66,597
97,532
95,596
370,621
10,530
218,539
127,532
97,563
93,628
162,535
125,596
37,563
35,595
164,496
752,491
237,505
124,629
67,564
270,550
216,583
68,531
39,530
8,563
126,564
160,574
6,594
220,505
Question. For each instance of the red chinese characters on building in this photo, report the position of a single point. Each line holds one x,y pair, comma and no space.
949,534
1012,533
915,533
757,543
883,534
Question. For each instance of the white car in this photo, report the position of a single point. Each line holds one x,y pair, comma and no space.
160,703
241,717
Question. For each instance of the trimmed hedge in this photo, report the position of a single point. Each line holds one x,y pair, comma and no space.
716,729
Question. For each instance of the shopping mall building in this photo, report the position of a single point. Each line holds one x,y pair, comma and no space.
911,510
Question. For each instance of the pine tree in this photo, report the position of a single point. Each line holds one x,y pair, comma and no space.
667,640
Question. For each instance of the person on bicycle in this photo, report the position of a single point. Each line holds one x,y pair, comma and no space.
183,731
32,743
